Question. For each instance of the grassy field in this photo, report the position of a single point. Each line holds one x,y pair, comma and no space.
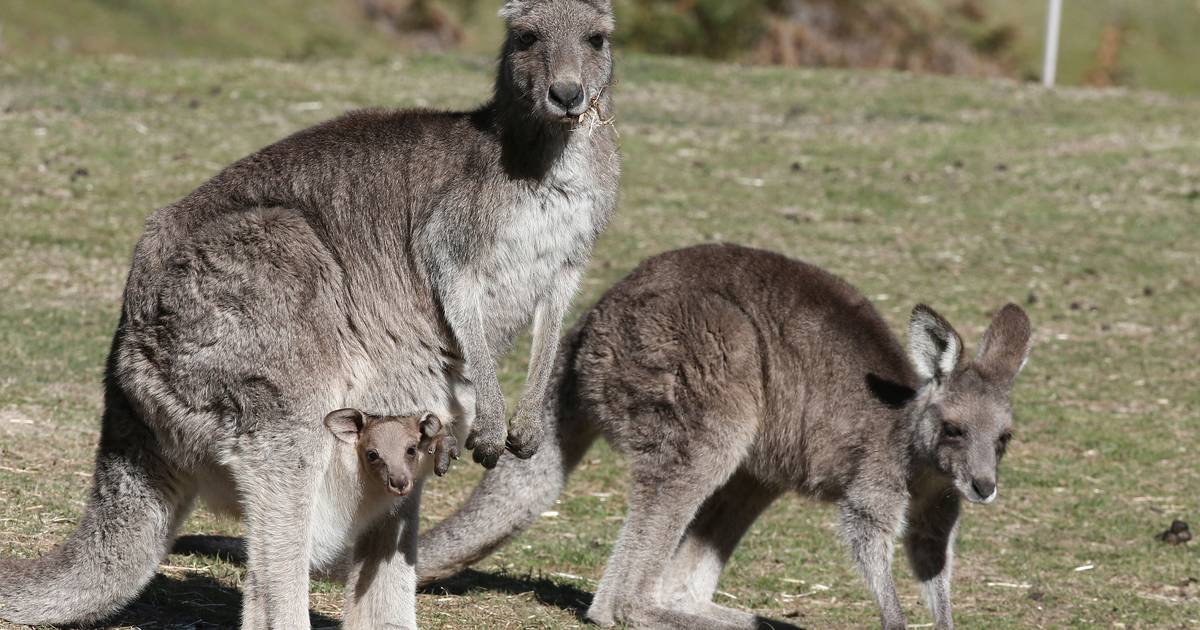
1082,205
293,29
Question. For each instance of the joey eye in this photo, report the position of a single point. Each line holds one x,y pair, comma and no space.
952,431
411,452
597,41
372,456
527,39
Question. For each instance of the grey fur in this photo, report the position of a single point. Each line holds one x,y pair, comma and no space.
381,261
729,376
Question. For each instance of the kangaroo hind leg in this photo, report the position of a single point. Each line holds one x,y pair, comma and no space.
277,488
691,580
666,493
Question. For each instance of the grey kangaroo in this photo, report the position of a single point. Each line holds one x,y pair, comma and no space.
382,260
378,464
730,376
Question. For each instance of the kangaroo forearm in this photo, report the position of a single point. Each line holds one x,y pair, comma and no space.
481,366
930,545
466,325
547,327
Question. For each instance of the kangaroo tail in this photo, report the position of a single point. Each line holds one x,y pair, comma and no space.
135,506
513,494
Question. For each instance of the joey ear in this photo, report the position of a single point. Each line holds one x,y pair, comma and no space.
933,344
345,424
1006,343
430,425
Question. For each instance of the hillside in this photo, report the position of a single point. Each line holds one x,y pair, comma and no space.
1131,43
1082,205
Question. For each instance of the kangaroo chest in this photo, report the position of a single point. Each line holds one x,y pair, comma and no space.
541,243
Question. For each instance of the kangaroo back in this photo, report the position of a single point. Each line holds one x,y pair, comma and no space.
512,495
136,504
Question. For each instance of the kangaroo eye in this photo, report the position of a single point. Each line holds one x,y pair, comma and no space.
412,451
597,41
952,431
527,39
372,456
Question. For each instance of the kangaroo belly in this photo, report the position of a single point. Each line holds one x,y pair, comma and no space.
215,487
342,510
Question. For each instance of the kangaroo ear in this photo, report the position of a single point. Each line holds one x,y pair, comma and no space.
345,424
933,345
512,9
430,425
1005,345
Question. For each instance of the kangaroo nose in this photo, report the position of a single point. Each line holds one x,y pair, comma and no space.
566,94
398,486
985,488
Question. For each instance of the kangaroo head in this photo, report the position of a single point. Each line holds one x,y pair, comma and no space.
556,57
390,448
963,414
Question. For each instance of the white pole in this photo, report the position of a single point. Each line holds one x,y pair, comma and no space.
1053,25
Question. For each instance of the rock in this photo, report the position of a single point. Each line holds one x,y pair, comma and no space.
1177,534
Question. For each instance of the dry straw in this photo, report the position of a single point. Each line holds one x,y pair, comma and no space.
592,119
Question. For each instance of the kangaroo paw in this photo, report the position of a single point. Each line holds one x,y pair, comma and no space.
524,436
486,444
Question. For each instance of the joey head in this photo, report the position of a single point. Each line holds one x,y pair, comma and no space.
391,449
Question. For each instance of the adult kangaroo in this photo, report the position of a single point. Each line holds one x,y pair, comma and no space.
380,261
729,376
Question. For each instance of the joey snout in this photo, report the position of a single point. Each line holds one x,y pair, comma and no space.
399,485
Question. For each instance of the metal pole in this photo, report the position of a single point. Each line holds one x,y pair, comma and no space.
1053,25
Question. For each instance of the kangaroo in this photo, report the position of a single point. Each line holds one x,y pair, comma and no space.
380,464
391,449
729,376
382,260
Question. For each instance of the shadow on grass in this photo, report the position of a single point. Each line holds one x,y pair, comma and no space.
227,548
547,592
193,602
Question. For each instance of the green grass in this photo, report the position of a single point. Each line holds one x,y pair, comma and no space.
187,28
1083,205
